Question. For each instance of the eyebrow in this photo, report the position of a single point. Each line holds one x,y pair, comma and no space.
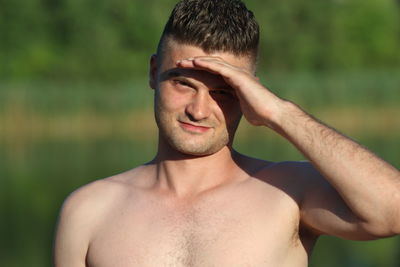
173,74
225,87
168,74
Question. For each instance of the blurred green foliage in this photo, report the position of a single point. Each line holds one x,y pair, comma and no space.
81,66
110,40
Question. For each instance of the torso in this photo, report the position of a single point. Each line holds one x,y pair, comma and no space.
251,223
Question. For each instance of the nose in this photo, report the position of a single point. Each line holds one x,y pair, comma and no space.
200,107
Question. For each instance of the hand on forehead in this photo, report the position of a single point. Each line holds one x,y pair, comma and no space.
194,75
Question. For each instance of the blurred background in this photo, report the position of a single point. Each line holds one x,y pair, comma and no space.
75,105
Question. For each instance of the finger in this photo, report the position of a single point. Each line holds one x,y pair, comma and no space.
221,64
233,75
214,65
201,64
185,63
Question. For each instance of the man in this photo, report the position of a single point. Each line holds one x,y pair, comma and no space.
201,203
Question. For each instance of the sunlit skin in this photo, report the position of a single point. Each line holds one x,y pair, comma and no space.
192,108
201,203
197,112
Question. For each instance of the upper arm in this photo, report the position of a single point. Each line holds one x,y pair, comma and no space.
75,225
71,241
324,211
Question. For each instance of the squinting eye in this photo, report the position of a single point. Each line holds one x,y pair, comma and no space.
179,82
222,92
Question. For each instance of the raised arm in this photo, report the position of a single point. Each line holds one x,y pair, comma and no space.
368,185
362,199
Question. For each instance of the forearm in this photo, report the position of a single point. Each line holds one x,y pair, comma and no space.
368,185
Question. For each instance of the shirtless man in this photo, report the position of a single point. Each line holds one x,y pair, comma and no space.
201,203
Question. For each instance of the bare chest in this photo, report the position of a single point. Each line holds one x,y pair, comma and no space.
233,232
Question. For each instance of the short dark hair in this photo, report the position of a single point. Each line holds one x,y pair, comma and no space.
213,25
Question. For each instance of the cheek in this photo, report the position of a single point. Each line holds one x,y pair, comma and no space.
230,111
170,100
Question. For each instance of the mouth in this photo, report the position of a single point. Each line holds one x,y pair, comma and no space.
193,128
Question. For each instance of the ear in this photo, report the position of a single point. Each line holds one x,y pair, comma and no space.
153,72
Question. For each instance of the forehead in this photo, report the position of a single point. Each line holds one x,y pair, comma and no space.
173,51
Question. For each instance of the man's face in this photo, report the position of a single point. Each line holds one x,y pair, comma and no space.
196,111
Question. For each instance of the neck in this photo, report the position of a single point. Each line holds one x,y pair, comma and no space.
186,175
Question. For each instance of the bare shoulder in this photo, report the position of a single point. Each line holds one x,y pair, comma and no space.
90,200
290,182
249,164
302,171
298,180
295,178
268,169
82,213
84,207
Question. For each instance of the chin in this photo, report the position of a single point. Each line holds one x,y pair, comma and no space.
197,149
194,145
198,152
